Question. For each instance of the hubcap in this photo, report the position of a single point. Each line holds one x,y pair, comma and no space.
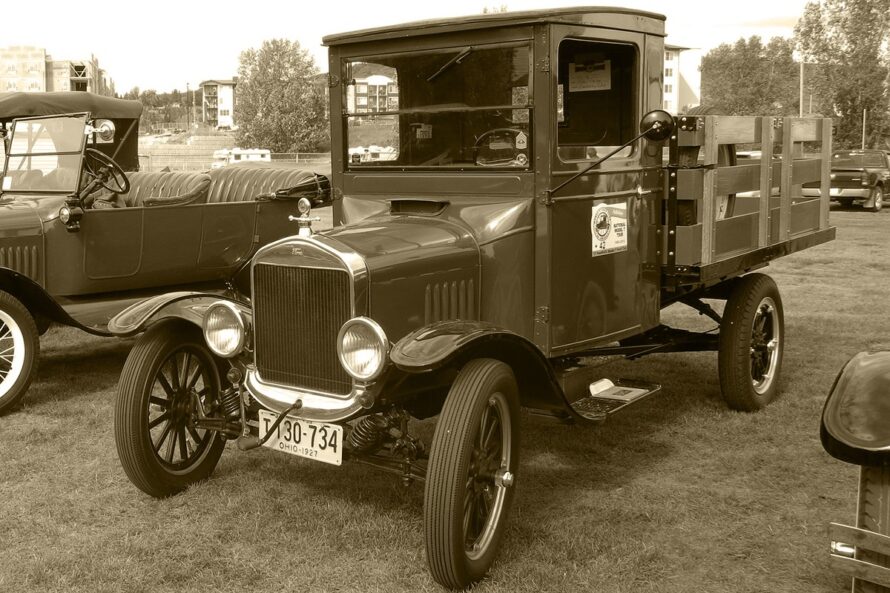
182,378
488,477
12,352
765,346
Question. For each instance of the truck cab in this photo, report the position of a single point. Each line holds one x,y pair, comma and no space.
504,218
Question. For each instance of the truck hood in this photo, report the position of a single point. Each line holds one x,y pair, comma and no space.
19,219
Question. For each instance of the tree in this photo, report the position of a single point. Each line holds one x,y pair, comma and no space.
280,99
848,41
749,78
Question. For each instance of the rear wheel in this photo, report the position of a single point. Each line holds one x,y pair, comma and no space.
751,343
19,350
472,468
160,448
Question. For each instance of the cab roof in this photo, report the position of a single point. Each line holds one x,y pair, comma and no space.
14,105
600,16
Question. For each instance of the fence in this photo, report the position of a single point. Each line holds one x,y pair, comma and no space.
190,158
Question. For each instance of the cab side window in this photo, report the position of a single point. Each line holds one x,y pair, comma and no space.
596,103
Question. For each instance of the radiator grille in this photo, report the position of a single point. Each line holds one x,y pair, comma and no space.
297,315
21,258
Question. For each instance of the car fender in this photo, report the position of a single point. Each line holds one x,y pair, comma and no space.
855,423
186,305
453,343
39,302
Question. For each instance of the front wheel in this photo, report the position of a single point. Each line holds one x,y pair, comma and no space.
470,481
161,449
19,351
876,198
751,343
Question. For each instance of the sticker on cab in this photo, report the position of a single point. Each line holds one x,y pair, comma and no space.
608,228
521,141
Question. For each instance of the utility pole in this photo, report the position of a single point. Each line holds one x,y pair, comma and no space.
864,112
188,109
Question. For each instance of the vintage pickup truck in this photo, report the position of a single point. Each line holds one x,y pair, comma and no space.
514,224
84,234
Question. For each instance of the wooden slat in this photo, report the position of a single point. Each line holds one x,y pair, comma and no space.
825,186
739,178
860,538
860,570
805,130
708,210
804,216
806,170
710,141
766,179
787,177
690,183
690,138
737,130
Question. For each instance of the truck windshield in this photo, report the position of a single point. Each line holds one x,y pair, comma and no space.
464,107
45,154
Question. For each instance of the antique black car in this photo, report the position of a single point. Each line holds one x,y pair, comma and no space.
511,222
83,234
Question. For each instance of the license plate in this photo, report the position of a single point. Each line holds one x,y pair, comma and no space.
314,440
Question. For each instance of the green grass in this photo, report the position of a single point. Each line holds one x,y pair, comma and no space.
677,494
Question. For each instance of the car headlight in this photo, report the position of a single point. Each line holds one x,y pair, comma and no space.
363,348
225,329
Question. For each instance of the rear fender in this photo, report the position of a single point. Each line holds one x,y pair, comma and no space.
188,306
856,418
451,344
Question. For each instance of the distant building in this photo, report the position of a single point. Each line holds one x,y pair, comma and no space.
31,69
373,88
218,107
682,78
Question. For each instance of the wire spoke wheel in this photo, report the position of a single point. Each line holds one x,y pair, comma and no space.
168,373
470,480
751,343
19,348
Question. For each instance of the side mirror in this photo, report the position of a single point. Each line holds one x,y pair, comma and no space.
657,125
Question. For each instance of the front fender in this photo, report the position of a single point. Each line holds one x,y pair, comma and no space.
454,343
856,418
186,305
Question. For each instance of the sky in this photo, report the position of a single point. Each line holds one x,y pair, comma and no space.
164,44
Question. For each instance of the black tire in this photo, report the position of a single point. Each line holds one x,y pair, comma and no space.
876,198
751,343
466,500
154,402
19,351
690,156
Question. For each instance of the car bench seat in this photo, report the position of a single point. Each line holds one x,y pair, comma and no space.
245,183
166,189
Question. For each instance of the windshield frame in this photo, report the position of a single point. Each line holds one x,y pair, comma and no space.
84,116
454,56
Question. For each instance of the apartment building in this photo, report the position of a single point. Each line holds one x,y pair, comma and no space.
218,106
31,69
682,78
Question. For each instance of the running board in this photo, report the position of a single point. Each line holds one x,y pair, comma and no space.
607,397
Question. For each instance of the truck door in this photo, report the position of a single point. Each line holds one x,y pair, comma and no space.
600,290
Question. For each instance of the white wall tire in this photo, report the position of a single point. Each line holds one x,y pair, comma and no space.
19,350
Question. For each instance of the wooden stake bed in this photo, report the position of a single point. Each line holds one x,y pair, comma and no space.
769,215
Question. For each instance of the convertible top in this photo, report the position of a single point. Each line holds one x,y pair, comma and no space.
14,105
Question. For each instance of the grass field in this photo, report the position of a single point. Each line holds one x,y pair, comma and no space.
677,494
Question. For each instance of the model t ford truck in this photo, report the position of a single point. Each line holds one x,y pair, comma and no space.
514,220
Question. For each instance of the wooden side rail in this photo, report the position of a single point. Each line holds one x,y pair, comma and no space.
866,543
777,212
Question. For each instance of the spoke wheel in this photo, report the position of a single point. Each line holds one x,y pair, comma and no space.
751,343
160,447
19,349
471,475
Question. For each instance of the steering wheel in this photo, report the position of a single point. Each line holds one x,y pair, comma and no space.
108,174
504,148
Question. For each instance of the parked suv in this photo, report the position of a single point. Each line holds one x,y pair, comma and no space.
83,234
860,176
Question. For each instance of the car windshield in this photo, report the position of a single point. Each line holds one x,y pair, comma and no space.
45,154
461,107
857,159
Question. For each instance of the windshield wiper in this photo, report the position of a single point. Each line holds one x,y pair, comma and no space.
455,60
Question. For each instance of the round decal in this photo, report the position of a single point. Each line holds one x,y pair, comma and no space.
601,224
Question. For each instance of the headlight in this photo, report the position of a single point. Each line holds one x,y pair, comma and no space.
362,347
224,329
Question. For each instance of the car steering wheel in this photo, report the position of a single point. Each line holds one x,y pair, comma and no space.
108,174
516,156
